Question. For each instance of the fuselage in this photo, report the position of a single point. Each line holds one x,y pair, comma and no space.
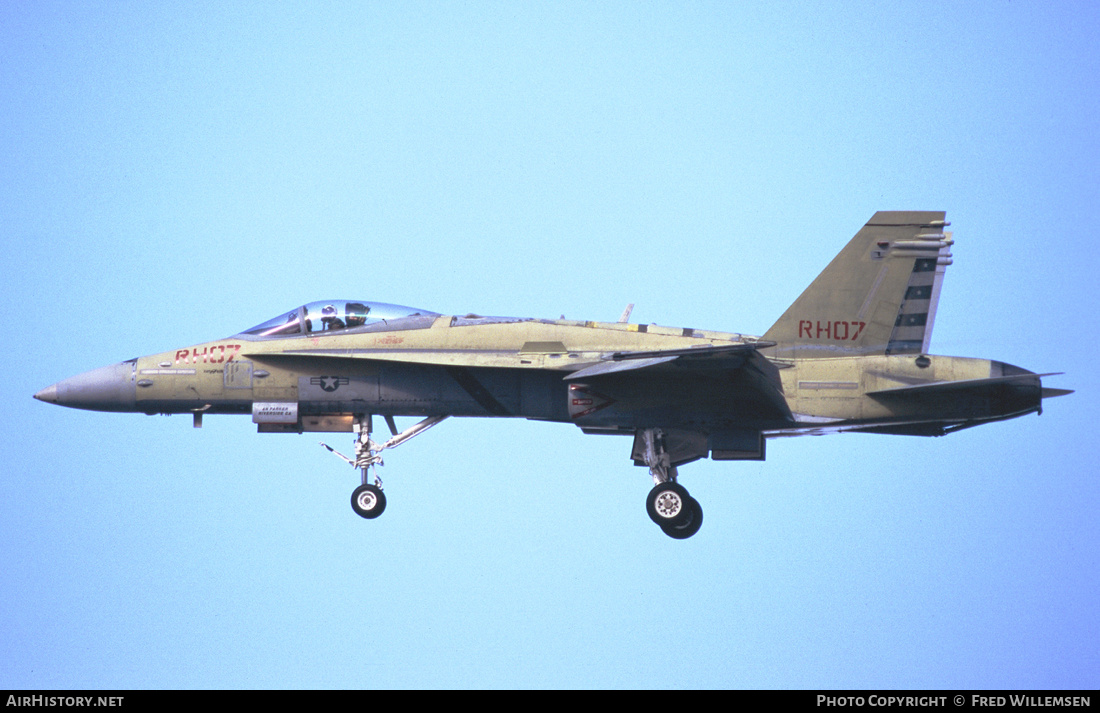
429,364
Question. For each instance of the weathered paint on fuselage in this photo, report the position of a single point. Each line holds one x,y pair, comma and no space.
517,369
400,372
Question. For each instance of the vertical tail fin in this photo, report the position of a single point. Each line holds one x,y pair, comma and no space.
878,296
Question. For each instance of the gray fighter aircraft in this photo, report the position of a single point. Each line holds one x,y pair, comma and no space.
851,354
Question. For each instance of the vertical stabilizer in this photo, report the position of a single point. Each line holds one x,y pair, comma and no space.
878,296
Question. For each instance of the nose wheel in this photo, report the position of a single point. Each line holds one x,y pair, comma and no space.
368,501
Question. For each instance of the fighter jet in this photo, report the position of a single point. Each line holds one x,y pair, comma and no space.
851,354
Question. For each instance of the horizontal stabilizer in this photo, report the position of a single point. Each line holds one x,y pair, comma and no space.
1049,393
958,387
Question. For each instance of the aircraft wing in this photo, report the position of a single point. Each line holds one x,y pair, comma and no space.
728,383
730,356
716,382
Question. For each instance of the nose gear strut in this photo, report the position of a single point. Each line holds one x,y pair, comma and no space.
368,500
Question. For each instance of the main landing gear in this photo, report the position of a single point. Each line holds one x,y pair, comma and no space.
368,501
669,505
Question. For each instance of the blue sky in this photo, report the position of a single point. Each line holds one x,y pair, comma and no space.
177,172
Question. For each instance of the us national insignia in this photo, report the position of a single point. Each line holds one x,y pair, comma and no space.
330,383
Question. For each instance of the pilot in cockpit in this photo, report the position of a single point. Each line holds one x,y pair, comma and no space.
330,319
357,314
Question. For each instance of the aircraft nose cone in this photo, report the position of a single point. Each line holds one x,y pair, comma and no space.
109,388
48,394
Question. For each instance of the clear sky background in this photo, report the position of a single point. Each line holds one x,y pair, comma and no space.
177,172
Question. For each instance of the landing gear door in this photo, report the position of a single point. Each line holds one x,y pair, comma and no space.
238,375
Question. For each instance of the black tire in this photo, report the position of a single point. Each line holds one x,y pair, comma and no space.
368,501
668,504
689,528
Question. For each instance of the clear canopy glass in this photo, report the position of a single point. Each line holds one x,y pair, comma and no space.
332,316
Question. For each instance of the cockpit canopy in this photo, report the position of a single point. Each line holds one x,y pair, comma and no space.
329,316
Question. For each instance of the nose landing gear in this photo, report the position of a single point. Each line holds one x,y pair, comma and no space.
368,501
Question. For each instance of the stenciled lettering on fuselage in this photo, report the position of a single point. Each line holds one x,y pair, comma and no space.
215,354
583,401
837,331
